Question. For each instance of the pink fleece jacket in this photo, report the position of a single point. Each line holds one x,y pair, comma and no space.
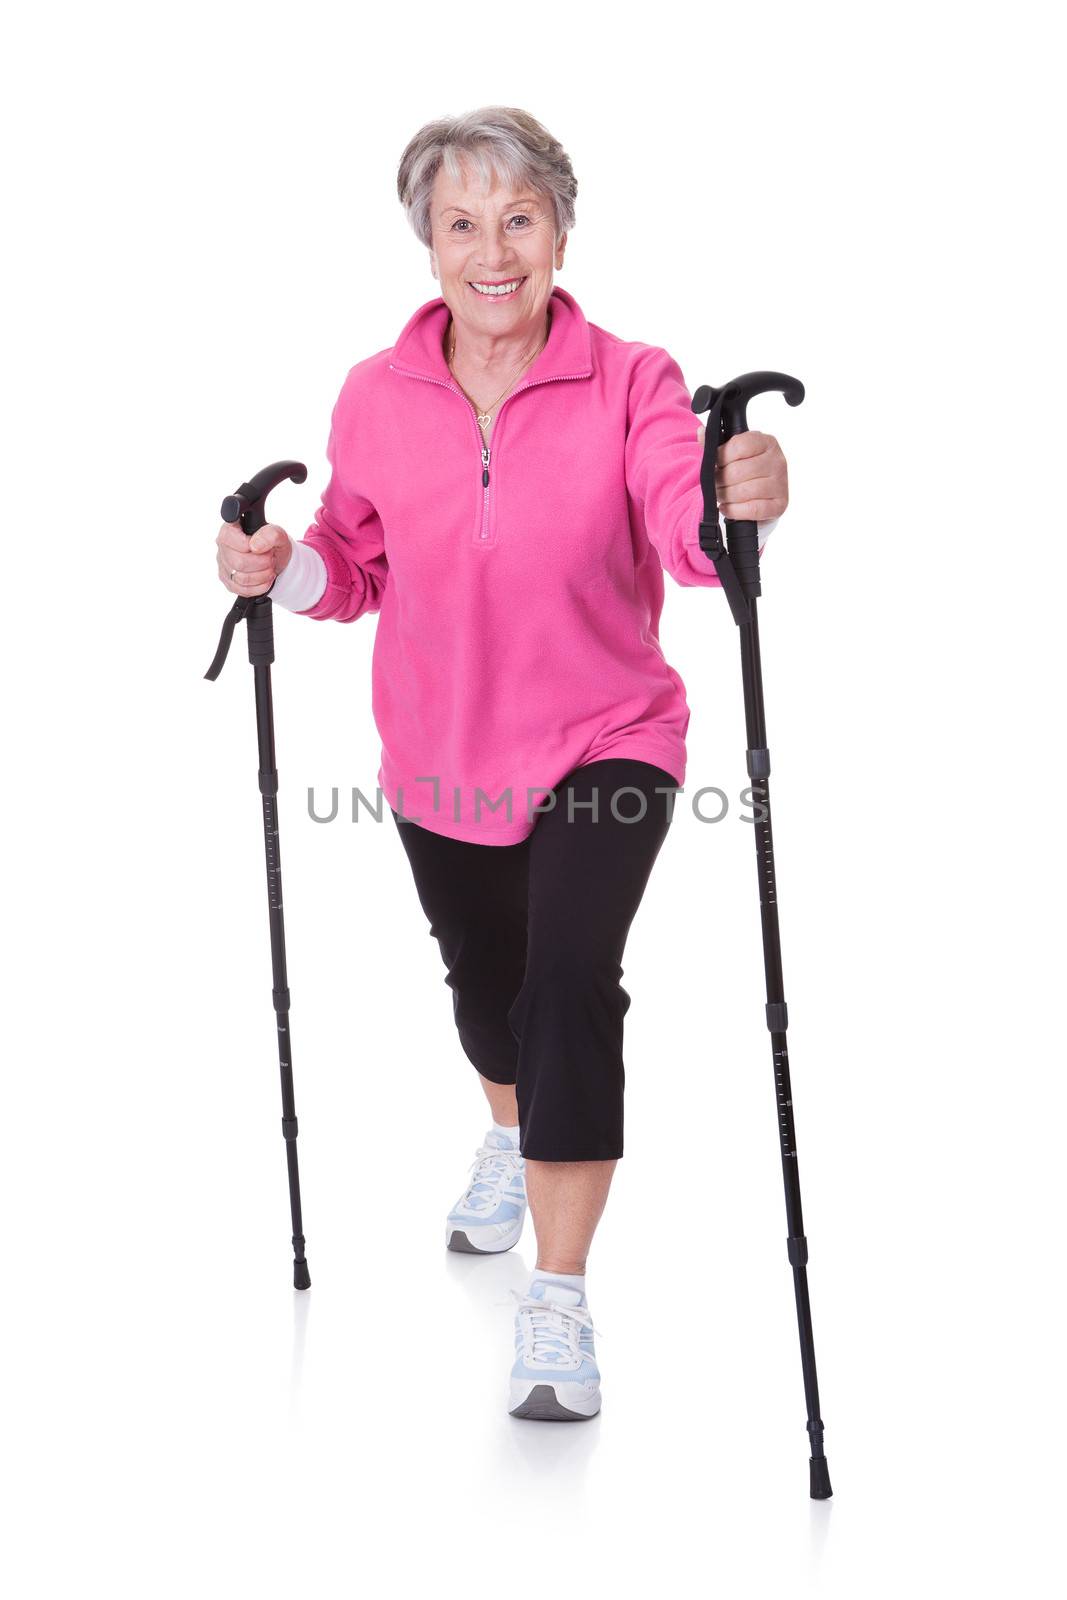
519,588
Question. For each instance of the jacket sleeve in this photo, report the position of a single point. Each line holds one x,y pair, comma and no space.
663,456
347,533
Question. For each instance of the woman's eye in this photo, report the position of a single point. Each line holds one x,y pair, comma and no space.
520,217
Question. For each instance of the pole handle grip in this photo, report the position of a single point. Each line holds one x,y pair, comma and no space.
248,504
736,561
731,401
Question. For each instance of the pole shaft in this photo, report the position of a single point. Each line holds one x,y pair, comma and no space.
268,785
777,1022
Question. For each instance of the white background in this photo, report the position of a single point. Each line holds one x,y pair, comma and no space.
206,236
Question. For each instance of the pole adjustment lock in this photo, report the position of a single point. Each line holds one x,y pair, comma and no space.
798,1251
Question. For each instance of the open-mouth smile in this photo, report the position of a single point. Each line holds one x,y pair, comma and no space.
497,291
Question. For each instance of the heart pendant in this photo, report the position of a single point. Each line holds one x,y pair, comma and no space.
484,419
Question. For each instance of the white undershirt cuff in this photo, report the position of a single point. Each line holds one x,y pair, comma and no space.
303,582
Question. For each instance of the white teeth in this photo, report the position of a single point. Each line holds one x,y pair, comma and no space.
498,288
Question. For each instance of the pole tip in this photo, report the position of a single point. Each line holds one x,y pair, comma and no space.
302,1277
820,1479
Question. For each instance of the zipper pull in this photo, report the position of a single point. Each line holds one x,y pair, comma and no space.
485,466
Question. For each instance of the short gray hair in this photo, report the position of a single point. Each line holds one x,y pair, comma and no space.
497,141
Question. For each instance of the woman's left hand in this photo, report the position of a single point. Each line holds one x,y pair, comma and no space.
751,477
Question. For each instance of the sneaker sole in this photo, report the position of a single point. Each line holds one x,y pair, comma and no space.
541,1405
458,1240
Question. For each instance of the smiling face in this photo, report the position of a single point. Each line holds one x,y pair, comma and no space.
492,238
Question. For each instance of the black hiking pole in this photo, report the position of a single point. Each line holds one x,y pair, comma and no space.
247,506
737,566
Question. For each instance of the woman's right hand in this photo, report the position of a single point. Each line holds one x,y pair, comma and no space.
249,566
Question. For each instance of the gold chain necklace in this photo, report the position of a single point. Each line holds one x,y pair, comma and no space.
485,417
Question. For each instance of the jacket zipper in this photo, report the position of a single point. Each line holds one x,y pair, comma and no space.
485,488
558,377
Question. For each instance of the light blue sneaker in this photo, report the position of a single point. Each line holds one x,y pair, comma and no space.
555,1377
489,1214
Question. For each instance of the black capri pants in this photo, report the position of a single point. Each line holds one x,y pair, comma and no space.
532,937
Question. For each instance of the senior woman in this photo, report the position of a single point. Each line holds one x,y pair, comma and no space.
509,482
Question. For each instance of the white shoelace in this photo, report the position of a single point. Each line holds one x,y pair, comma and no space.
551,1333
494,1168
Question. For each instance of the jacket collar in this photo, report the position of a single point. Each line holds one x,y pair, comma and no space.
568,351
